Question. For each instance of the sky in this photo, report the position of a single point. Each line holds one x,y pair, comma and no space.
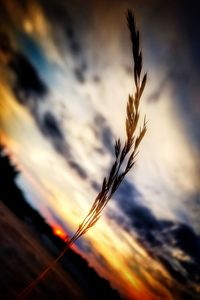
66,73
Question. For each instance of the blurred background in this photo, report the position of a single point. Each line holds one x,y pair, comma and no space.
66,70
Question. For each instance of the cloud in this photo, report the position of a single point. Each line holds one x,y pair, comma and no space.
27,84
103,133
79,74
77,167
51,126
175,51
70,40
187,240
175,245
95,185
30,91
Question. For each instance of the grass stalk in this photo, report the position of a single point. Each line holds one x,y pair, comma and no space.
124,156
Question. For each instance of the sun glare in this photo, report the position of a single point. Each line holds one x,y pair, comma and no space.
60,233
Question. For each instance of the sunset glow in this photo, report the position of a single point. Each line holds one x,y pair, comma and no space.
59,232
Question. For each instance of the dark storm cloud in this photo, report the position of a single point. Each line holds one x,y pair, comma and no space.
190,20
161,238
126,195
95,185
173,42
68,24
103,133
51,129
187,240
27,83
77,167
169,266
177,76
51,126
64,21
79,74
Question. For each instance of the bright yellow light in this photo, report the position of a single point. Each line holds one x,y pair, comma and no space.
60,233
